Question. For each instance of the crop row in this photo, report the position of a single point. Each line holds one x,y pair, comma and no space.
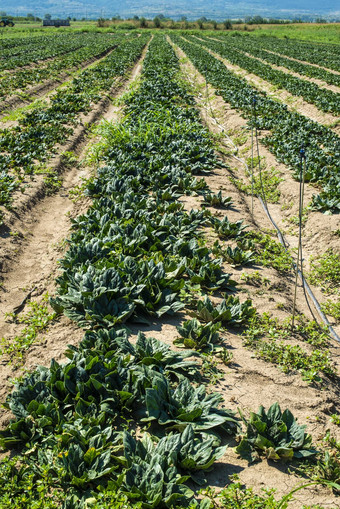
40,48
261,48
92,45
288,130
325,100
324,55
134,255
35,137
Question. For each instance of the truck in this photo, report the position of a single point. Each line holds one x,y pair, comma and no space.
56,23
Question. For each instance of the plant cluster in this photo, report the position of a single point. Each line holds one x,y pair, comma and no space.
274,434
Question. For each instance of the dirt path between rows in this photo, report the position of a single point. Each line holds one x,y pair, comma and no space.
293,103
32,256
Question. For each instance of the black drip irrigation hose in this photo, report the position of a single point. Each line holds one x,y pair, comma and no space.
283,242
299,271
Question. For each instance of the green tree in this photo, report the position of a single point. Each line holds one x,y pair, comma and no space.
157,22
227,24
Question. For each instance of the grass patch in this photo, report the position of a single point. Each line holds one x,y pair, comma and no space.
325,271
331,308
270,253
35,320
268,338
267,189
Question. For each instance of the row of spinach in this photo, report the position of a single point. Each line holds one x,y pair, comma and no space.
324,99
82,48
134,255
21,51
289,131
263,47
322,54
35,138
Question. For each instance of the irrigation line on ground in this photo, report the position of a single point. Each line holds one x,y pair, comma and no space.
283,242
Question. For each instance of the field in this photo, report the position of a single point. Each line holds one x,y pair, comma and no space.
170,269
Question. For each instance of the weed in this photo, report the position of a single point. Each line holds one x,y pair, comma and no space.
238,496
332,309
69,159
241,139
210,369
52,182
326,468
270,253
296,220
226,356
255,279
80,191
265,185
335,419
287,206
268,338
325,271
35,320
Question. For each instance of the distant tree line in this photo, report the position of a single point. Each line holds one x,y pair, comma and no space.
162,21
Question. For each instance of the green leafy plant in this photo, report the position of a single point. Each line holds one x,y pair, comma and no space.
237,256
225,229
37,319
216,200
276,435
187,405
229,311
196,335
